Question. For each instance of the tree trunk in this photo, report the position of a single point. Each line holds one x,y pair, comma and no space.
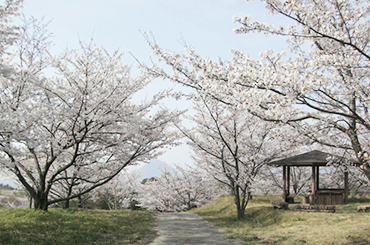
41,201
239,206
189,205
80,205
66,204
69,193
241,212
30,203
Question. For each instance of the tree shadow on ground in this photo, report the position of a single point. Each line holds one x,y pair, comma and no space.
262,216
254,217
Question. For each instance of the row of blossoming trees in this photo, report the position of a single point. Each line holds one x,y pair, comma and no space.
67,121
68,124
182,188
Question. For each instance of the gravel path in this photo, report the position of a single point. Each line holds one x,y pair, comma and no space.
187,228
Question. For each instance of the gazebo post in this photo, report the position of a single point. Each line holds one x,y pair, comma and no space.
284,183
317,177
313,190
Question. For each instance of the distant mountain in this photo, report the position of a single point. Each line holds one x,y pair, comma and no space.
153,169
5,181
6,187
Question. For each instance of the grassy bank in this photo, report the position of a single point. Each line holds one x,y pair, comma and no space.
58,226
265,225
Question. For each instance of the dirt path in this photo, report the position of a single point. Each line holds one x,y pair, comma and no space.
187,228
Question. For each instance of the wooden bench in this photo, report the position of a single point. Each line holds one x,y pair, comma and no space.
363,208
279,204
316,208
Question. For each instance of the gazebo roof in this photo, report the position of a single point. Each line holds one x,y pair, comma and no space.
312,158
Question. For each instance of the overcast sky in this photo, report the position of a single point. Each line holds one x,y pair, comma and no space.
206,25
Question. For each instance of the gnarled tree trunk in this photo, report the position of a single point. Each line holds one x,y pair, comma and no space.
40,201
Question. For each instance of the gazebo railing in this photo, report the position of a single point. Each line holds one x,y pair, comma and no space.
328,197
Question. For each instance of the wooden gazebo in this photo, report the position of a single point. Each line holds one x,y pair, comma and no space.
314,159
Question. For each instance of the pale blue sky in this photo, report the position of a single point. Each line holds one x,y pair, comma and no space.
206,25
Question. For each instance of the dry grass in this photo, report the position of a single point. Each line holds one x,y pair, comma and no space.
265,225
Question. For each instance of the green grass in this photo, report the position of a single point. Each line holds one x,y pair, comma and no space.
264,225
58,226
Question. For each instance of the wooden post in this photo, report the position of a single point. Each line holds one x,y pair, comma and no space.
346,187
317,177
313,191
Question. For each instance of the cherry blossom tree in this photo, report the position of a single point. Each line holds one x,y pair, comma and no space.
153,195
79,124
321,88
120,192
232,146
178,190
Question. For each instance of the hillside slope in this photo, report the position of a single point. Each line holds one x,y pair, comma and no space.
265,225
